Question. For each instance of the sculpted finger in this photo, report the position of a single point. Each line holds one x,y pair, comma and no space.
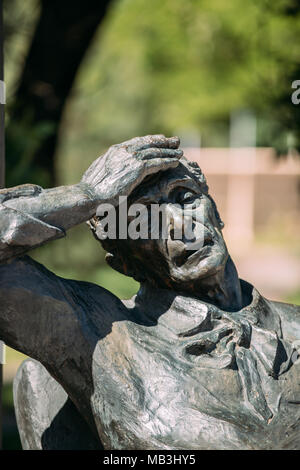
139,143
159,141
160,164
148,141
159,153
24,190
173,142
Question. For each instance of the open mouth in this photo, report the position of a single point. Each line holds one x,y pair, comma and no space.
189,255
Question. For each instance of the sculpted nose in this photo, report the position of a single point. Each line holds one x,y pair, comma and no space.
175,220
180,226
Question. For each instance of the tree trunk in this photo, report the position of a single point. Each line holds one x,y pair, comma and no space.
63,35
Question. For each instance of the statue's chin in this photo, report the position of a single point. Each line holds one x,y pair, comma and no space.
199,264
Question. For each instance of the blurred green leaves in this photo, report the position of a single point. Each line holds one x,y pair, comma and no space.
22,141
163,66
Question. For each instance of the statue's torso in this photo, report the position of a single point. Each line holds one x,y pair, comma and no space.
149,393
166,371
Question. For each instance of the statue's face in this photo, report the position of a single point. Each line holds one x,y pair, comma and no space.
173,261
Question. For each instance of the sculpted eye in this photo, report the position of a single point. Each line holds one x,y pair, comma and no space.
186,197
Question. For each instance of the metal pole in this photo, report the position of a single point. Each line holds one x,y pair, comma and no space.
2,143
2,147
2,164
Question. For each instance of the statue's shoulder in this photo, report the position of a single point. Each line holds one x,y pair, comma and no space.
290,318
289,310
99,304
88,301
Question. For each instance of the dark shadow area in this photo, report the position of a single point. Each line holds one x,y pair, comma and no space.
11,439
68,431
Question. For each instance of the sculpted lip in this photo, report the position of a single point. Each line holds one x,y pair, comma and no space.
189,256
199,254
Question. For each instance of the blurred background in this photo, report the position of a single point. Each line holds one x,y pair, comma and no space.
82,75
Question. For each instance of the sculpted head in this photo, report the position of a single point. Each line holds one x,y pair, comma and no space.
181,264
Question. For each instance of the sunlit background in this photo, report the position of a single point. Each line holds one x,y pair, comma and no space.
218,73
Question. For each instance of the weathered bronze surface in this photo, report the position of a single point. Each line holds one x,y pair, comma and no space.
197,360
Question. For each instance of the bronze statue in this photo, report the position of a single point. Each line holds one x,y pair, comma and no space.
198,359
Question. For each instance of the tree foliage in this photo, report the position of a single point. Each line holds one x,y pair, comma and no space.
172,65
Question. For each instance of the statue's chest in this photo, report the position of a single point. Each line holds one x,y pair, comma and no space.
148,395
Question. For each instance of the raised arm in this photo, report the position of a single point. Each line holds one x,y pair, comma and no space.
37,307
53,319
31,216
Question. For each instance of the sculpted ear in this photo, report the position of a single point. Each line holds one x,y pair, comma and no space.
220,221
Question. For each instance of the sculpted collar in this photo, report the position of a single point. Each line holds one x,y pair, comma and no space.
249,340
